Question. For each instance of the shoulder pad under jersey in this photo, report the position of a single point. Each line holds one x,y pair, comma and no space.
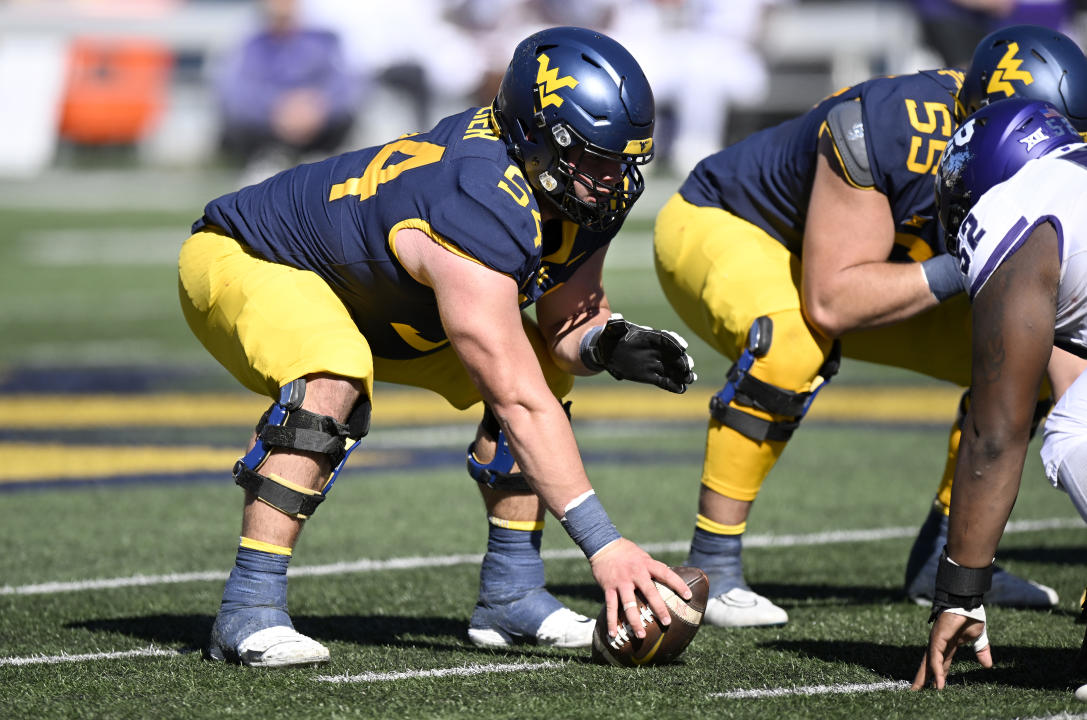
490,216
846,127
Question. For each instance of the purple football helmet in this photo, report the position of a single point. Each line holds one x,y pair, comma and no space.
988,148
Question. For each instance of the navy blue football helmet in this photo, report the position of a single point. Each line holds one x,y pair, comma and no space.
989,147
1027,61
574,107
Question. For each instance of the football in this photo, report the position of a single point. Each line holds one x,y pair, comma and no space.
661,644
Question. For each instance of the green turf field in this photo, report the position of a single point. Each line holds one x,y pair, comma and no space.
120,522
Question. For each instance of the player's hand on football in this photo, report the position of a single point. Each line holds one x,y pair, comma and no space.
621,568
949,632
635,352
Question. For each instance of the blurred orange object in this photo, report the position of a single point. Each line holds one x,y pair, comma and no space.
116,90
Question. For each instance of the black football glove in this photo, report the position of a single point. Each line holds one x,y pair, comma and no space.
635,352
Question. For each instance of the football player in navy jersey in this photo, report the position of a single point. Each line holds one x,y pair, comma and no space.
816,238
412,262
1011,193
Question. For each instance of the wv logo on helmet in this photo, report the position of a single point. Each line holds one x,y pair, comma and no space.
549,82
1006,70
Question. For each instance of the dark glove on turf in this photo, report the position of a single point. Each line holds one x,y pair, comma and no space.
635,352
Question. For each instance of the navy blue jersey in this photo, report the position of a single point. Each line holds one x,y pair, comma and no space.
338,218
767,178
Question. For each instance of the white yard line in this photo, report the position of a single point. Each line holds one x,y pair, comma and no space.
468,670
431,561
841,689
369,677
151,651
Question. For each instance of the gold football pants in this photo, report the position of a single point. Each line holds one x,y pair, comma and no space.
269,324
721,272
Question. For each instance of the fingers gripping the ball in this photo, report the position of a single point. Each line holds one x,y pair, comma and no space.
666,633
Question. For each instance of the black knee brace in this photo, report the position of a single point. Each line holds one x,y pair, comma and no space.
286,425
743,389
496,474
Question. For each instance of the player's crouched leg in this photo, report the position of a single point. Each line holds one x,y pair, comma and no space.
1079,665
513,605
253,627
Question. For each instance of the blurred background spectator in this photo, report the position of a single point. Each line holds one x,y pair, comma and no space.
953,28
416,61
700,56
285,94
273,82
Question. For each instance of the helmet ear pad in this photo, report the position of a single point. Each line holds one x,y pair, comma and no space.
956,213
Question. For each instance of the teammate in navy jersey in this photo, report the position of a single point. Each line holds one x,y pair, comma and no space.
1012,200
411,263
816,238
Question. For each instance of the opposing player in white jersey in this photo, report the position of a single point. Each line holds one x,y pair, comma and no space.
1012,198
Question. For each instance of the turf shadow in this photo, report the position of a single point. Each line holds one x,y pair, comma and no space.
824,594
1015,665
580,591
162,629
435,633
1064,555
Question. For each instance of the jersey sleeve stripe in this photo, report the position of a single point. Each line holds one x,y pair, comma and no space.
1011,242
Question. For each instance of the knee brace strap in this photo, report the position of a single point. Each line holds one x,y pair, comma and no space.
286,425
749,391
496,474
285,496
304,430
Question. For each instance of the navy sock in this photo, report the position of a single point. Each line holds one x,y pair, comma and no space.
512,598
255,596
512,566
719,556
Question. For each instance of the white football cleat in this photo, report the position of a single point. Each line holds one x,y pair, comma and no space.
279,646
743,608
563,628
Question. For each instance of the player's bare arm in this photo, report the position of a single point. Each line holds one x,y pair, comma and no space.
1013,337
480,315
848,282
566,313
585,337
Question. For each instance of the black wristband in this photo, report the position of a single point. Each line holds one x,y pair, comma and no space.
958,586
